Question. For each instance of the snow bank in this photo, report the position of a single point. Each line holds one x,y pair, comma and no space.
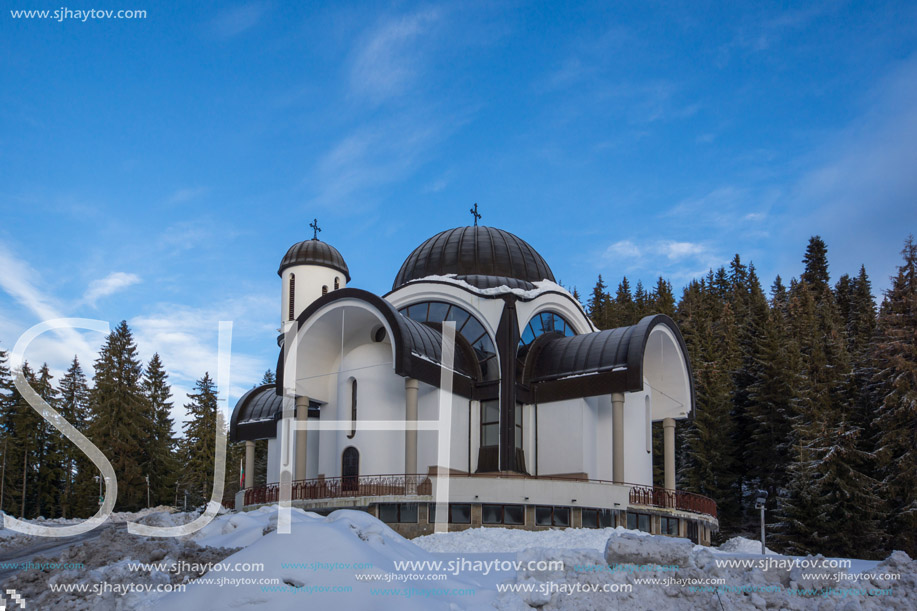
316,564
741,545
514,540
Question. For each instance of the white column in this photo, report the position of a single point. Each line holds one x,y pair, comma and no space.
249,464
302,419
617,431
668,427
410,415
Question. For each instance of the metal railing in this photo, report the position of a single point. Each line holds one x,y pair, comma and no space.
343,487
421,485
655,496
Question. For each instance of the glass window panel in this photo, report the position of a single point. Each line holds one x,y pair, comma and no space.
514,514
438,311
561,516
492,514
518,436
590,518
491,411
527,335
484,347
388,512
543,516
459,316
408,513
518,414
568,331
632,521
431,513
559,325
490,435
460,514
670,526
605,518
472,330
418,312
643,523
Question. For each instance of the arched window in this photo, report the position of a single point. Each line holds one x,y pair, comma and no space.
353,409
292,294
465,324
545,322
337,283
350,470
324,289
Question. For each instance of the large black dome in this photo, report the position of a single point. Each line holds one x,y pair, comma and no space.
474,251
314,252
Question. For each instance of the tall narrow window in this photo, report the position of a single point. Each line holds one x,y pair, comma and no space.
337,283
353,409
350,470
324,289
519,426
490,423
292,294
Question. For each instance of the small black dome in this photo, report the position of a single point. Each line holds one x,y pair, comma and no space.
314,252
474,251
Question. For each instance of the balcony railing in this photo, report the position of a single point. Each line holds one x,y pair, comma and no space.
672,499
343,487
421,485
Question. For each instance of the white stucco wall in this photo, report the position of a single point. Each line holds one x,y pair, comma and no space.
309,282
560,432
638,463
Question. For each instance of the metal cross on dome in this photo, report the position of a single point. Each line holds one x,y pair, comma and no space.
315,228
475,214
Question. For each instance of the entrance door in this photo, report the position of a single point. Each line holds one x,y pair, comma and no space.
350,470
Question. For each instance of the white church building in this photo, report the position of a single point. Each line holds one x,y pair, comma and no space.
549,420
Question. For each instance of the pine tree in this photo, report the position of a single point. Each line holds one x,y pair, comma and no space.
663,299
158,451
6,431
642,303
599,305
22,425
198,447
268,378
623,308
895,358
77,468
119,411
49,451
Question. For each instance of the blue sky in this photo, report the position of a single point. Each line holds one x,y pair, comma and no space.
156,170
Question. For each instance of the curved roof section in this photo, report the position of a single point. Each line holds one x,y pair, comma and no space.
595,363
474,251
418,346
314,252
255,414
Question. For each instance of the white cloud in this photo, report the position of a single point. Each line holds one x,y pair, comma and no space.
21,282
389,60
676,251
238,19
109,285
624,248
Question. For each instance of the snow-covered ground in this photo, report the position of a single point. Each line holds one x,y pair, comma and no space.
350,560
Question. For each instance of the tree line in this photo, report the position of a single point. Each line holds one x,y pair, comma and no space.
807,391
126,413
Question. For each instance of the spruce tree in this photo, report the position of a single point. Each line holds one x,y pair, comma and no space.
198,446
6,394
158,450
662,298
895,359
119,412
599,305
623,309
77,495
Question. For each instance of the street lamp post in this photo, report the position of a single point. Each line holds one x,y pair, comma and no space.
759,504
148,490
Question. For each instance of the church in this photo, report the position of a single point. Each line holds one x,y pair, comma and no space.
549,419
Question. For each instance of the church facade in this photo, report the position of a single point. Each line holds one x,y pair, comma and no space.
548,421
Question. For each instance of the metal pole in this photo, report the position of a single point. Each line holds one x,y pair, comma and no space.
763,552
148,490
